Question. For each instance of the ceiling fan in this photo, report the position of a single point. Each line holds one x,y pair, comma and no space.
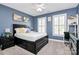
40,7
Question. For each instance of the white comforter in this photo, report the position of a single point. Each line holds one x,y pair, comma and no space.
31,36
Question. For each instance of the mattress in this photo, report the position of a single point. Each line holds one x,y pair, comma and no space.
31,36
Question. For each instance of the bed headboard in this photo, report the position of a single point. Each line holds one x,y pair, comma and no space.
17,26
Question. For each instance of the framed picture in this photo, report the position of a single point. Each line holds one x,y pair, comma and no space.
17,17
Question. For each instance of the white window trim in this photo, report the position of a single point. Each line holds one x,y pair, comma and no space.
65,14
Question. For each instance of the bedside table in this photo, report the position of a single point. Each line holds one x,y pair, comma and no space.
6,42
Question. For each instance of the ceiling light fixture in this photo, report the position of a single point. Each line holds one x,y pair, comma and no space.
39,7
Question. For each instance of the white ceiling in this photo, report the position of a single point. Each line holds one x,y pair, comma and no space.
29,8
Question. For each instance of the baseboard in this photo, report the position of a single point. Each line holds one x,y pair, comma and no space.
56,40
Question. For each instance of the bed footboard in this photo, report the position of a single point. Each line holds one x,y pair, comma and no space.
33,47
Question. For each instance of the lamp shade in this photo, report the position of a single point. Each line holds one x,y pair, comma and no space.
7,30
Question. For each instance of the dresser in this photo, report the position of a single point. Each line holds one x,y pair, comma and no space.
6,42
74,44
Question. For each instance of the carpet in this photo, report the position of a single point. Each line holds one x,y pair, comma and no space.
52,48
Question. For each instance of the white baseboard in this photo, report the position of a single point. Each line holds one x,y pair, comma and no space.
56,40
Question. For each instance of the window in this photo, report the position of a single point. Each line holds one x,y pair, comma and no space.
42,24
59,24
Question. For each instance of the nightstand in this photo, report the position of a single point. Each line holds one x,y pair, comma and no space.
6,42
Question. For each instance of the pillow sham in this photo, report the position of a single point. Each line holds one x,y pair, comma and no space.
20,30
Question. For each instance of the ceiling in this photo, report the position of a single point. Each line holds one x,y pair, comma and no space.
29,8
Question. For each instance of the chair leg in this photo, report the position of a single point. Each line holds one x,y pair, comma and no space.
66,43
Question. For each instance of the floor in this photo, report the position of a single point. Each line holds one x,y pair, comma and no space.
52,48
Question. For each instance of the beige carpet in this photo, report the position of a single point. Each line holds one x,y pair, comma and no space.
52,48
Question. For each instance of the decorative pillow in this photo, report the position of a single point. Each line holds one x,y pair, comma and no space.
20,30
28,30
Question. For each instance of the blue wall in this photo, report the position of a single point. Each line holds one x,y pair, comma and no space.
72,11
6,18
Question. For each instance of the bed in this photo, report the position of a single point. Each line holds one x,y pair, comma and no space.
32,41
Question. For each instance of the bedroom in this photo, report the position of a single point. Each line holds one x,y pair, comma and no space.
44,24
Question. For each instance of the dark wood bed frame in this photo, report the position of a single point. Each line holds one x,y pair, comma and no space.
31,46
